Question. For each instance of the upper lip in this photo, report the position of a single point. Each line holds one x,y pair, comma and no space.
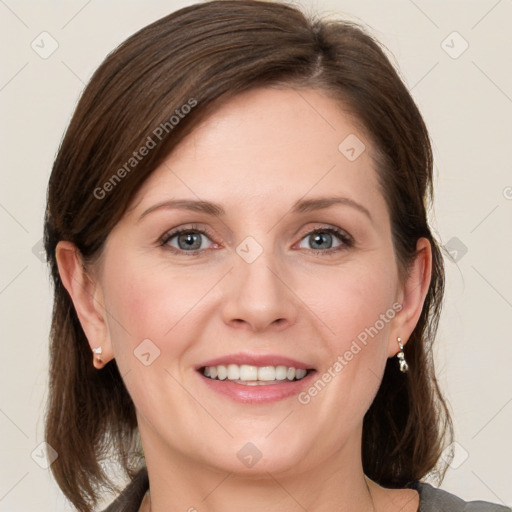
255,360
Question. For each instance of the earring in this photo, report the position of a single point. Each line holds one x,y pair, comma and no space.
98,351
401,357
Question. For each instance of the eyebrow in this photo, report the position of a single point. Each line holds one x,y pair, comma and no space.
215,209
207,207
307,205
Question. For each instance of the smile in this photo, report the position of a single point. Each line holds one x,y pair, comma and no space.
250,375
256,378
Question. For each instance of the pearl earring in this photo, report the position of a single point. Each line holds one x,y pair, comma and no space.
98,351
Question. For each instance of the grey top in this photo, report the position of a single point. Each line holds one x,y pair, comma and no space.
431,499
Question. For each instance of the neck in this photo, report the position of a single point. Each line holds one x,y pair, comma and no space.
179,483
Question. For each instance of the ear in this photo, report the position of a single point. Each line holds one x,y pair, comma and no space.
412,295
88,301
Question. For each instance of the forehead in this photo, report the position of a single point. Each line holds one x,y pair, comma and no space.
268,145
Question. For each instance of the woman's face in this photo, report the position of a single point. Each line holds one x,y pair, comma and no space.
285,261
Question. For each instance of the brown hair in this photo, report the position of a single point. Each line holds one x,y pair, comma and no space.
201,56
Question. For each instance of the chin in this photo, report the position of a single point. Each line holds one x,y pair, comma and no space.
258,455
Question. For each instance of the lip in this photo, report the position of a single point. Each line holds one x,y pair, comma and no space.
255,360
265,394
258,394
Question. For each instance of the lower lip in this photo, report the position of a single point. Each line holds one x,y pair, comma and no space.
258,394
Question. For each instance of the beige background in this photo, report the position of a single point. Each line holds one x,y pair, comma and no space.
466,99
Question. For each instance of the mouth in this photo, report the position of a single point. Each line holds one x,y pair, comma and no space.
256,379
250,375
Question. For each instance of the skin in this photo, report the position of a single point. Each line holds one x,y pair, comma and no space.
256,156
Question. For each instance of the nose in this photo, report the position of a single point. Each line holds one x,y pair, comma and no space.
258,296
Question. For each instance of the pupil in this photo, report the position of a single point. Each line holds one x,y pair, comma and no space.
323,240
190,241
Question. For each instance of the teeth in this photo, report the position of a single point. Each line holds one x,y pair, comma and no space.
281,372
233,372
248,372
300,373
253,375
267,373
222,372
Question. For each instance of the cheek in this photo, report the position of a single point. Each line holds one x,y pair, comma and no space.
352,299
154,302
149,315
357,307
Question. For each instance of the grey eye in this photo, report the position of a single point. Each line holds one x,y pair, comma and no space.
187,241
320,240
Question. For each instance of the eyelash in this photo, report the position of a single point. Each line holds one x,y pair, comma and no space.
346,240
193,229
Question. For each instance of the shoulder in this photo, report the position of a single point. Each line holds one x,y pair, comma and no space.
131,497
438,500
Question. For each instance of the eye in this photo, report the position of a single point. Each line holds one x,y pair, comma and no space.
191,240
326,240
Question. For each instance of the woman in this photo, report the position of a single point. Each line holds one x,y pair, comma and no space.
246,286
